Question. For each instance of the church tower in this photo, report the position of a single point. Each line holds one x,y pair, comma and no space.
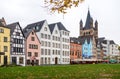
89,28
88,37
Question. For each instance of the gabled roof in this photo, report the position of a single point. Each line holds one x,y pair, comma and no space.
51,27
13,26
74,40
33,25
101,39
60,26
88,21
112,42
26,33
83,38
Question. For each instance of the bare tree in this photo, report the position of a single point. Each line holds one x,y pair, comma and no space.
61,5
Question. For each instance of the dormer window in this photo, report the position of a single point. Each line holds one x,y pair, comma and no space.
45,29
37,27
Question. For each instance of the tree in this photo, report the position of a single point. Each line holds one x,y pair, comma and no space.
61,5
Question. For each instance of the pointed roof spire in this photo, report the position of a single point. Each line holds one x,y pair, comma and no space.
81,21
88,20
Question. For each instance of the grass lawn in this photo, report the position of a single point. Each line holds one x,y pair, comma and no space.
83,71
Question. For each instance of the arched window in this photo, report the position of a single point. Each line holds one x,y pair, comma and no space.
45,29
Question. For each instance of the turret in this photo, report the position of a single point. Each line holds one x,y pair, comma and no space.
96,25
81,25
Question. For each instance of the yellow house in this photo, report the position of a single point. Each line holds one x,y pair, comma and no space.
4,45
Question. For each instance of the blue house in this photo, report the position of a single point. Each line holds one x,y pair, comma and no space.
86,42
87,49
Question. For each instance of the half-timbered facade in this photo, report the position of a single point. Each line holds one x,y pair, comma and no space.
17,44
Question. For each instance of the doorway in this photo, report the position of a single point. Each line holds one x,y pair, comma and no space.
56,60
14,60
5,60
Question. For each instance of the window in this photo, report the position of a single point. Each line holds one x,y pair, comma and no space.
45,43
28,62
17,33
42,35
36,54
45,51
1,30
32,39
53,38
37,62
36,46
42,43
45,29
49,44
5,48
32,33
21,60
59,52
56,38
48,51
29,54
53,52
37,27
42,51
45,36
5,39
30,46
48,36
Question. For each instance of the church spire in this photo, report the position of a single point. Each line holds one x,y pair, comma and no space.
89,21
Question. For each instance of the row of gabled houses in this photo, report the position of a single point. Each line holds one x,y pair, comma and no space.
38,43
41,43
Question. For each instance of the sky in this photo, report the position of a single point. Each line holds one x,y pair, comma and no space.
106,12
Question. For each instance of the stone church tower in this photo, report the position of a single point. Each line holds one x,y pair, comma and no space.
89,28
89,32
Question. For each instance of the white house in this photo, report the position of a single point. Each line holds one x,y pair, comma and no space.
54,42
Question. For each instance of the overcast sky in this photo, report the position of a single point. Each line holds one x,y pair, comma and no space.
106,12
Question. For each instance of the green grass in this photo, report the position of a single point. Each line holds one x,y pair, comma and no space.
86,71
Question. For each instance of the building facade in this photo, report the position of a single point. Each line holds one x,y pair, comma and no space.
33,46
17,44
88,38
54,42
4,44
75,50
110,49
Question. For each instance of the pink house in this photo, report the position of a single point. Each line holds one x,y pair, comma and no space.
32,48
